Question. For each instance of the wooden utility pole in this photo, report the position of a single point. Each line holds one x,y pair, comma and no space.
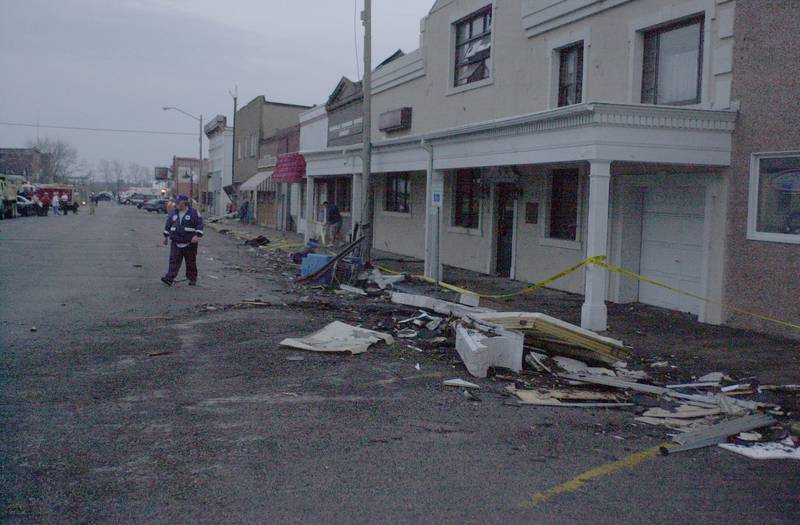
368,211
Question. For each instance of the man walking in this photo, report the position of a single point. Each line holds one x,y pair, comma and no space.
184,227
92,203
333,223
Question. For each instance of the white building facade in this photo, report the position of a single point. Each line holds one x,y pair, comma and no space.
220,164
527,135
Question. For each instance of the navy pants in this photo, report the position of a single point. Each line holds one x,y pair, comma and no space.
177,256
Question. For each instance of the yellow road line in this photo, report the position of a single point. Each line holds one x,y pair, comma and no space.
579,481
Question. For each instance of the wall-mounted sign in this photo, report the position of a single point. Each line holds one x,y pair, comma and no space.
395,120
162,173
437,194
787,181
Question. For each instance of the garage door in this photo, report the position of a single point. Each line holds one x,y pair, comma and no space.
672,247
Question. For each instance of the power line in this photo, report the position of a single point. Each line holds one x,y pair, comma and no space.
101,130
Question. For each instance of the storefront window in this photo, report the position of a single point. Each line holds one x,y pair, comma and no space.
776,182
398,193
466,201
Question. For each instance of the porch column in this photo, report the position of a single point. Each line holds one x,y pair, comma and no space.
594,315
357,203
311,212
433,224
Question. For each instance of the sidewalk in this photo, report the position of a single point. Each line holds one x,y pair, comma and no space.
656,334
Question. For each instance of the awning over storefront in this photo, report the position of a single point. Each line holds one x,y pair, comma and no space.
291,168
253,182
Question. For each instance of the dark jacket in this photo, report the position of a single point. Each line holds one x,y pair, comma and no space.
182,232
332,215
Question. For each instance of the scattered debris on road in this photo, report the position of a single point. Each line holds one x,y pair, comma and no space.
339,337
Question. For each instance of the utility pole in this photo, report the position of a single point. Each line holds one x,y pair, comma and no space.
368,211
235,96
200,160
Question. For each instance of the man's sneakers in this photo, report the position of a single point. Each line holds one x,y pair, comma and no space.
166,281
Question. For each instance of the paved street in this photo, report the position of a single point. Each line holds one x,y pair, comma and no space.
222,428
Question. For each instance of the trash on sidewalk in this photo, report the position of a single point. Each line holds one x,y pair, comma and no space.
786,449
460,383
719,433
553,398
384,281
480,351
436,305
352,289
339,337
559,337
257,241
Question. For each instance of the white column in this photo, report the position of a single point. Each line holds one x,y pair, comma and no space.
357,202
311,213
594,315
433,225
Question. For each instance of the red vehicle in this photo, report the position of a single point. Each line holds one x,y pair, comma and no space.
52,189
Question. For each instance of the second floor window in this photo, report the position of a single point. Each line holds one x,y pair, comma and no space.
398,193
473,47
570,76
673,62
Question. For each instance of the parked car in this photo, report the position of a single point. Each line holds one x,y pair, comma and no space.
25,207
156,205
104,196
146,199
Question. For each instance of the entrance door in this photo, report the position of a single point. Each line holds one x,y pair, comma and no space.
504,230
672,247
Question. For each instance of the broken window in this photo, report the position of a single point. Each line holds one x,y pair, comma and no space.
466,200
570,78
673,63
776,179
473,47
564,205
398,193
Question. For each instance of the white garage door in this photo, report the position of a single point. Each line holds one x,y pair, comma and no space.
672,247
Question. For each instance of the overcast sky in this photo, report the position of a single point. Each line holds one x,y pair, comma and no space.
115,63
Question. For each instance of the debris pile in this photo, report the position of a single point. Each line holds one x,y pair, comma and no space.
546,361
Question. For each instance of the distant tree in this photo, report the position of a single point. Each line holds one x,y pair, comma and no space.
62,156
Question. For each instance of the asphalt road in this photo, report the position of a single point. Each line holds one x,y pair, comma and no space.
222,428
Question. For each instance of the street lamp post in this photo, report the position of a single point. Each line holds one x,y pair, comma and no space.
200,150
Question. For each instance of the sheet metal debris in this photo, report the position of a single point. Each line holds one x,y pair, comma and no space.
339,337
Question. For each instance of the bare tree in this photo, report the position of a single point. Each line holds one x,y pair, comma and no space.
62,156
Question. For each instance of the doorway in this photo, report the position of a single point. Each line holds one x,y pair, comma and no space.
505,199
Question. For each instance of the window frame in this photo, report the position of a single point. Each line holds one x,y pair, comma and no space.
456,213
453,83
753,197
697,19
546,211
391,202
580,49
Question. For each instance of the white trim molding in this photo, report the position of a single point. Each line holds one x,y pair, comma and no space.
540,16
753,197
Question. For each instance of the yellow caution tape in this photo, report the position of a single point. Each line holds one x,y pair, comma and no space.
612,268
600,262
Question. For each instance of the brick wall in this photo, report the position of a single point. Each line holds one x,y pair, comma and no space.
762,276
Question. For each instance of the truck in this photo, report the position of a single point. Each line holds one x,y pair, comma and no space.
9,185
60,189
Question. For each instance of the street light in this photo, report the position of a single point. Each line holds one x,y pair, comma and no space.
200,142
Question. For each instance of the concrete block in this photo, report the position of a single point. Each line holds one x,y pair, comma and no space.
480,351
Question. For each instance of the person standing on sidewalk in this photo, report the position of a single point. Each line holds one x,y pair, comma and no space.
56,203
45,205
333,223
184,227
92,203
